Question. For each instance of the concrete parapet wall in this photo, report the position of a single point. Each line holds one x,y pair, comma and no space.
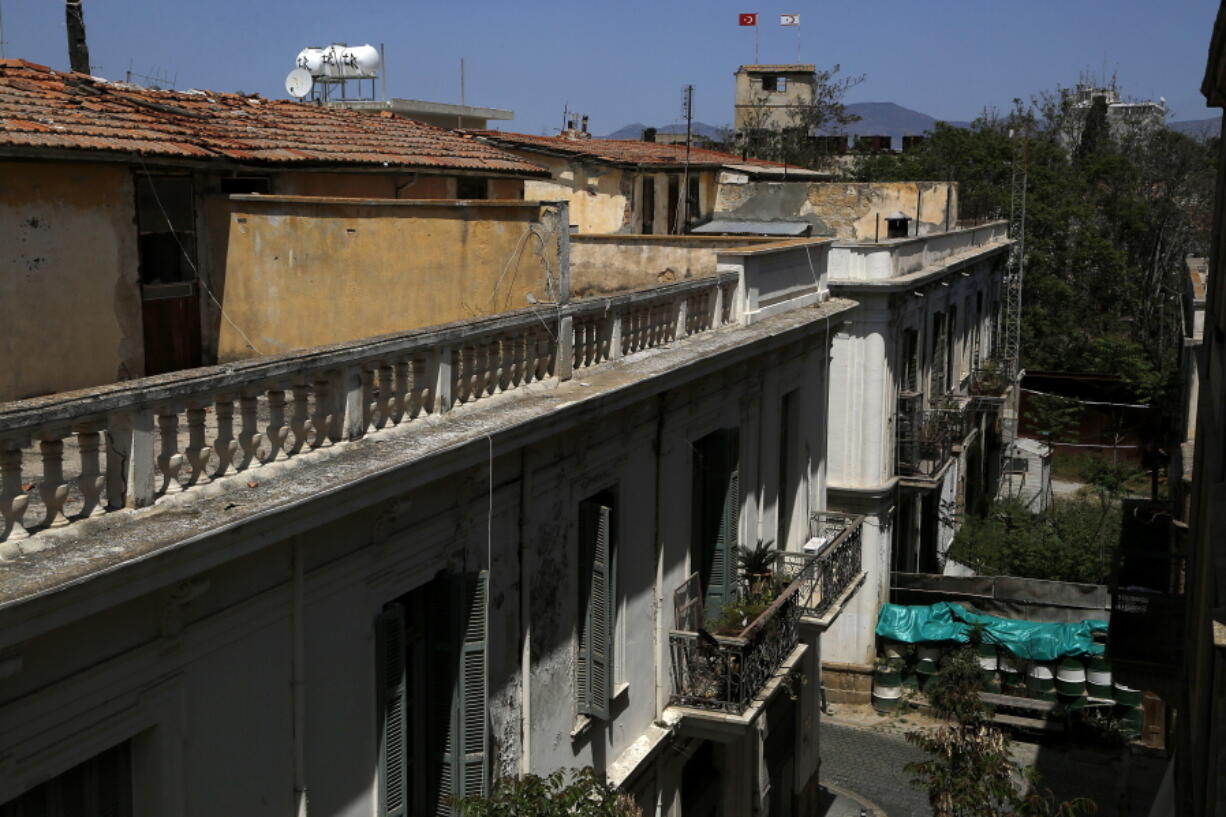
607,264
306,272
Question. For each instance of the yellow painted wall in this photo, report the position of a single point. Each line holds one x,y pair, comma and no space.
299,274
853,208
607,264
598,203
70,308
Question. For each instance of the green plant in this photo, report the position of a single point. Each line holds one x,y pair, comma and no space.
736,615
758,560
970,772
561,794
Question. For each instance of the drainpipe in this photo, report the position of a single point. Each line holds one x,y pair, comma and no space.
298,680
78,51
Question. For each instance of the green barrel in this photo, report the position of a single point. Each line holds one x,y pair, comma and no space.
1098,679
1010,673
894,649
927,658
887,689
987,667
1041,681
1127,696
1070,677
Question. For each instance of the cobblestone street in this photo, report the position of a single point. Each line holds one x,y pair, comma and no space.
864,753
870,763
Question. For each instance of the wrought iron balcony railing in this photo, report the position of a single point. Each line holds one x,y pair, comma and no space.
925,439
991,378
724,672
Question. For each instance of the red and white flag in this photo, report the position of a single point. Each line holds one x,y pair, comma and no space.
748,19
789,19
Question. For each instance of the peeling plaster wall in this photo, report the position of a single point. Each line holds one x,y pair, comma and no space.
600,197
846,210
70,299
605,264
182,668
302,274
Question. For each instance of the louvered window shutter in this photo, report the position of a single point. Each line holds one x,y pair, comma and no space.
473,716
594,675
393,707
463,772
722,578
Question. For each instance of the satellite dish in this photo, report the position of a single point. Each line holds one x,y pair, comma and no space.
299,82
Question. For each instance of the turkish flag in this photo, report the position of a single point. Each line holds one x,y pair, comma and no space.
748,19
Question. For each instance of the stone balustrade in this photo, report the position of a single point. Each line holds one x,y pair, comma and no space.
894,258
75,455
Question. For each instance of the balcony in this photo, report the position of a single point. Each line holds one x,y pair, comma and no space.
726,671
925,438
991,379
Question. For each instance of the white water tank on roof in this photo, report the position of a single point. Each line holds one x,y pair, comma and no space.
340,61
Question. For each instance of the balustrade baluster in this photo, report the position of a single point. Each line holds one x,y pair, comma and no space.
198,451
416,386
91,482
321,416
300,417
276,432
13,498
225,446
481,364
498,366
385,389
530,355
463,387
401,388
249,437
53,489
169,461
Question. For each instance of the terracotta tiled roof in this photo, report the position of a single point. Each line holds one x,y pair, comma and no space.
632,152
42,108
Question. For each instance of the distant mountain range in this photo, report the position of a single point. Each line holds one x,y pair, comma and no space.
1199,128
893,120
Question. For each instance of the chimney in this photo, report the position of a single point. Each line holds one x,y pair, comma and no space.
78,51
583,127
649,134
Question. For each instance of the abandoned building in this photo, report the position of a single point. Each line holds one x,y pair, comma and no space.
918,387
773,97
385,572
466,487
130,254
629,186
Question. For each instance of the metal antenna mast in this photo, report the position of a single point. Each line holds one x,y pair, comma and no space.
1014,274
687,109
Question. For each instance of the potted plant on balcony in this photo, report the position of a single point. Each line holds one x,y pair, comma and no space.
757,567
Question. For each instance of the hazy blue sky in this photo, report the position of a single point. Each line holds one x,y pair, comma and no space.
624,61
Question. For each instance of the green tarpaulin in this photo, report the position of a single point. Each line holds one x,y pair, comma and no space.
1028,640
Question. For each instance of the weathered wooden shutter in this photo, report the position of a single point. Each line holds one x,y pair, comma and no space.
721,580
464,768
473,674
594,673
393,709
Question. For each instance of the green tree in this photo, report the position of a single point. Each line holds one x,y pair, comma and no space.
970,772
561,794
1110,216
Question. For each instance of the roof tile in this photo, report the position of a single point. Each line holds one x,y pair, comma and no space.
630,151
43,108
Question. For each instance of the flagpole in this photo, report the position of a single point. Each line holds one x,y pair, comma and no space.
798,44
755,42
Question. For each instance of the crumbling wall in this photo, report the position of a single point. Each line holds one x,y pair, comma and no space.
70,300
844,210
606,264
297,273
